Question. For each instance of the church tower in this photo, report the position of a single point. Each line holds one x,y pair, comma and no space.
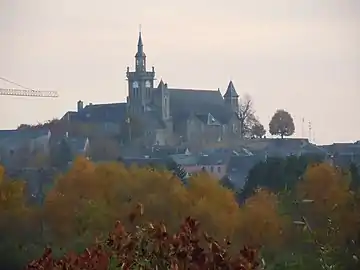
231,97
140,82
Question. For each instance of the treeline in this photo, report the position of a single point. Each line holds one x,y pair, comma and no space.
303,223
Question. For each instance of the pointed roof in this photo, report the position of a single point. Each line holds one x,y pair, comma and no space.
140,43
231,92
161,84
140,49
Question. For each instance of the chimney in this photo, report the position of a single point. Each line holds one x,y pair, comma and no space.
80,105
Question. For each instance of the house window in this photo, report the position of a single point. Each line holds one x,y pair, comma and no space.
212,168
219,169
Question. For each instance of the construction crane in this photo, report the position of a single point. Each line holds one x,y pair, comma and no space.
26,92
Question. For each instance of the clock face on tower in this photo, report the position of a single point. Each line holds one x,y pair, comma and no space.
147,84
135,84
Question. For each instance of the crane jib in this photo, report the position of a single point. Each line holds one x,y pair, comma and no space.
28,93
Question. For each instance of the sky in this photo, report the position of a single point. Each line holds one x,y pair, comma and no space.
301,55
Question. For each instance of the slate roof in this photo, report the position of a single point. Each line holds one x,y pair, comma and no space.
207,118
203,117
184,102
239,167
214,159
9,136
344,160
230,91
185,160
110,112
152,120
164,151
343,148
7,133
143,162
284,147
240,151
201,159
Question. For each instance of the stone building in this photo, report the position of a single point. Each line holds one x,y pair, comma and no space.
168,115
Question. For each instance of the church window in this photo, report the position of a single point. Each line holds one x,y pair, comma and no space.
165,107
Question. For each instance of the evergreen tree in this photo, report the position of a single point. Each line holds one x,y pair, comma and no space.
355,176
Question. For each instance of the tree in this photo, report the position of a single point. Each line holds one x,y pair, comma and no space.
257,130
355,176
61,154
246,115
282,124
261,223
16,228
68,205
333,214
276,174
213,205
104,149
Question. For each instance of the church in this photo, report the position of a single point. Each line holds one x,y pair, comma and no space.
167,115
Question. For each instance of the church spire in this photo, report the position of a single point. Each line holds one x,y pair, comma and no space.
140,46
140,56
140,43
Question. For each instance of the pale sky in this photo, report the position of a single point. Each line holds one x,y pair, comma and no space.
299,55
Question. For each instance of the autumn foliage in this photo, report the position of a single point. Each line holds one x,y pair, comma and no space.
78,212
152,247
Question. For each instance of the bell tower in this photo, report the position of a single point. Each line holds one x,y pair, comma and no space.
140,82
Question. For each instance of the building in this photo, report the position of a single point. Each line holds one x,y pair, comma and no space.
168,115
19,147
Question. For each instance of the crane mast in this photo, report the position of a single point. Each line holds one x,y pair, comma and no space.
28,93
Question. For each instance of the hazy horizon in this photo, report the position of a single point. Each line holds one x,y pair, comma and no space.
301,56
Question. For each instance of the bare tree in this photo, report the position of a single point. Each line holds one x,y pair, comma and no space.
246,115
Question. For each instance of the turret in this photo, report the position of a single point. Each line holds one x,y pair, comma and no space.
231,97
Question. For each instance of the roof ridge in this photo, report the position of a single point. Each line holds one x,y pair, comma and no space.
189,89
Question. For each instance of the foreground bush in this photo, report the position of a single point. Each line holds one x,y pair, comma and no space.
152,247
